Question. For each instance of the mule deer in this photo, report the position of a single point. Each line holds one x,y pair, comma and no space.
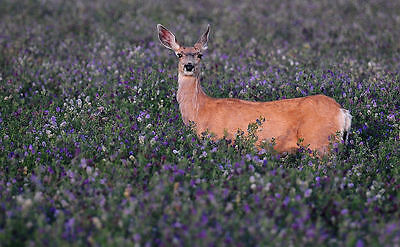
314,119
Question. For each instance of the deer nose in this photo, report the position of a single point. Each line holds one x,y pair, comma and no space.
189,67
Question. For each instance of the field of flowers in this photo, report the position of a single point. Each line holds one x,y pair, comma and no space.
93,150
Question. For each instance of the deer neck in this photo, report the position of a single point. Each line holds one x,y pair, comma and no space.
190,97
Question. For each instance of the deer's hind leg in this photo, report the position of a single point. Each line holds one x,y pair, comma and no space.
317,134
287,143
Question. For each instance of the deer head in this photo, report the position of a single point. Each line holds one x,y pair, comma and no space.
189,57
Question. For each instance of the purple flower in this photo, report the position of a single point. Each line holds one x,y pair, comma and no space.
307,193
286,201
31,149
246,208
136,237
360,243
53,120
70,223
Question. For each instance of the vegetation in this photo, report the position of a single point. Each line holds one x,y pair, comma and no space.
93,150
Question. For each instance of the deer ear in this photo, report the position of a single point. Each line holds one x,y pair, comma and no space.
167,38
202,42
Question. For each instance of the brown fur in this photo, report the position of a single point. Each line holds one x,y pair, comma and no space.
313,119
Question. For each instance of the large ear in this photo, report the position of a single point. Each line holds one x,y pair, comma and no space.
202,43
167,38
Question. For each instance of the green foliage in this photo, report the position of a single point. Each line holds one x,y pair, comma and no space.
93,150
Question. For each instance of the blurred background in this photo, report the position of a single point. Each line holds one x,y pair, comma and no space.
313,32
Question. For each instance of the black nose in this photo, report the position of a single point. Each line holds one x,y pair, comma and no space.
189,67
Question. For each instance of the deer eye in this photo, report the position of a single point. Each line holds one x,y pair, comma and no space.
179,55
200,55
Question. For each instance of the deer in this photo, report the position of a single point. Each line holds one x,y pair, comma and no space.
313,120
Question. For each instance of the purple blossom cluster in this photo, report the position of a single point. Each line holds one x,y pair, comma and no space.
93,150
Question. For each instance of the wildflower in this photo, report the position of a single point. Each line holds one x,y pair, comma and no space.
237,199
89,170
267,186
307,193
70,223
127,191
79,103
25,203
29,224
229,207
141,139
63,124
83,163
360,243
96,222
49,134
31,149
53,121
38,196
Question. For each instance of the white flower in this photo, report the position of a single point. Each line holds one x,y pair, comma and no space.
267,186
96,222
89,170
79,103
38,196
141,139
25,203
229,207
63,124
49,134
